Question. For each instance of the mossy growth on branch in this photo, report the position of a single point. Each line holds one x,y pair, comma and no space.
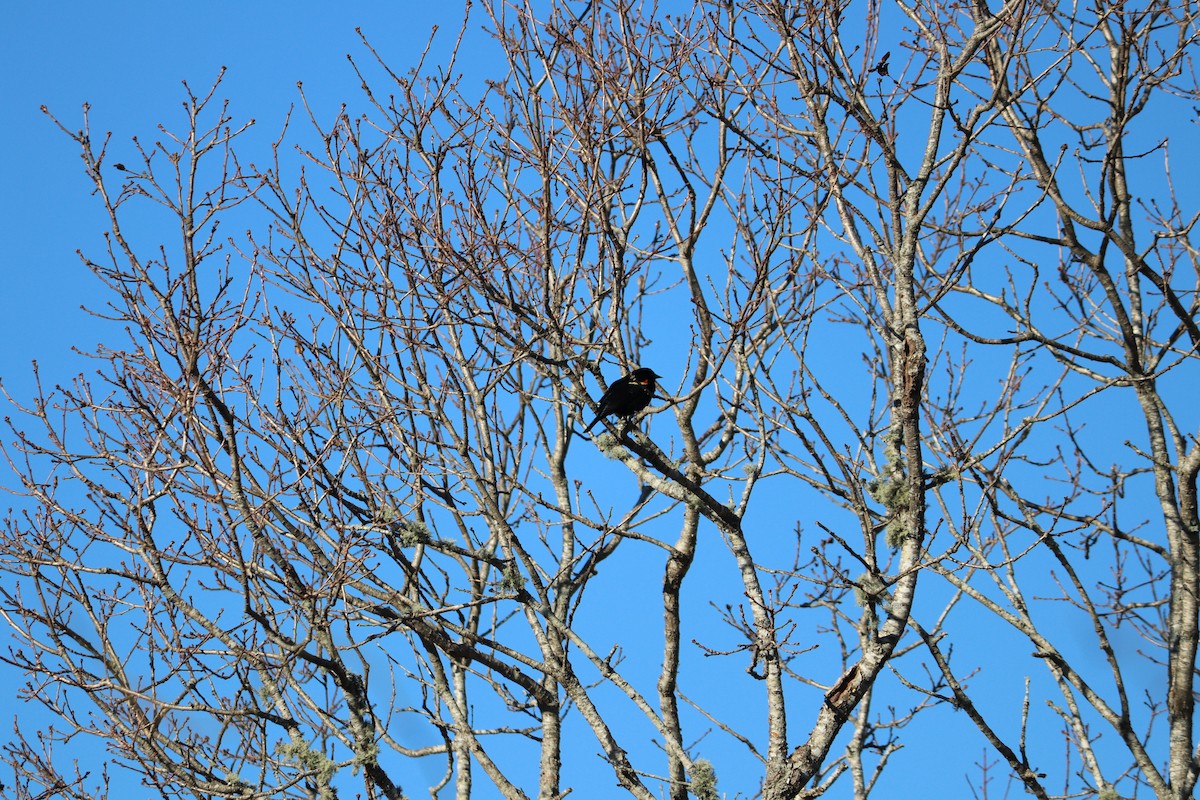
411,533
870,588
312,761
892,488
511,581
703,784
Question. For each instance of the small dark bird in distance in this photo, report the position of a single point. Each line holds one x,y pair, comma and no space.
627,396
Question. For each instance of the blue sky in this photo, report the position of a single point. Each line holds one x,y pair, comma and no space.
127,61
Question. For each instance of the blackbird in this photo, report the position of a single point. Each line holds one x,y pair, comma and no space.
627,396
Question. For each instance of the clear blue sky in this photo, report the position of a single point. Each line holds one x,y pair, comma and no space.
127,59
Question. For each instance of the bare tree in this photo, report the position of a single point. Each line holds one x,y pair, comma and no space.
326,511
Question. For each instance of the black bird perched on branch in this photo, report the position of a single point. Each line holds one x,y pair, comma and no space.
627,396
